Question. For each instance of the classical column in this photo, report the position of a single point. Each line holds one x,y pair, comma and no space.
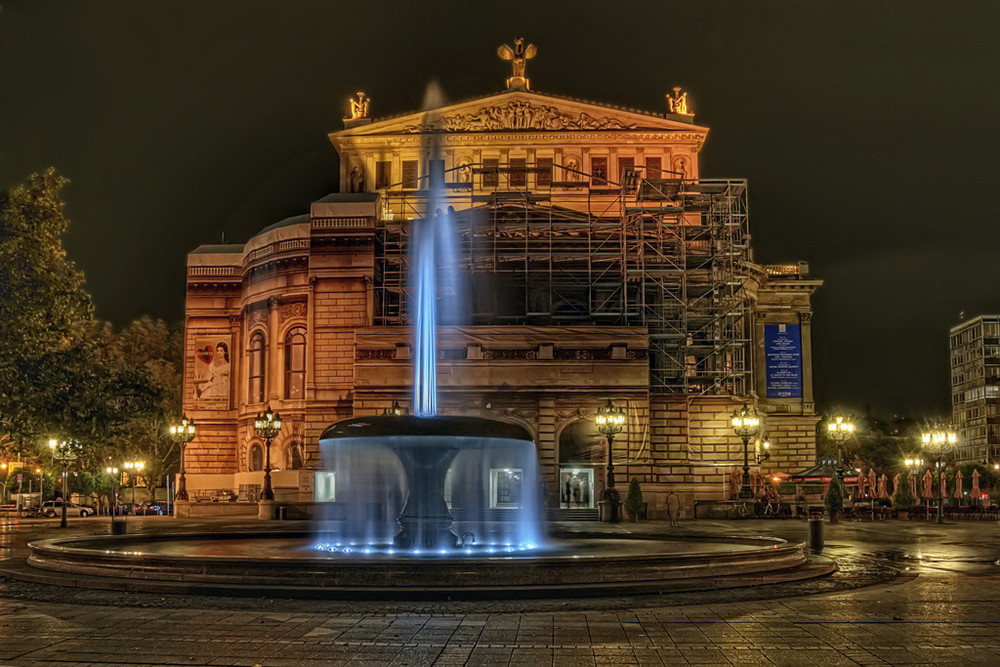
805,331
273,349
311,340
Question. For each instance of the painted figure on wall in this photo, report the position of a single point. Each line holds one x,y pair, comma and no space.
212,371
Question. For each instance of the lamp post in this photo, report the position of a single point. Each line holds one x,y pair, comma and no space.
746,423
267,426
134,468
610,421
938,440
182,433
62,452
113,472
838,429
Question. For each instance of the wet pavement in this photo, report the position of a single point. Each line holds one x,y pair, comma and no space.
907,593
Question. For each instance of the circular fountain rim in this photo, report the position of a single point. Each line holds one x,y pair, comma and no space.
496,577
438,425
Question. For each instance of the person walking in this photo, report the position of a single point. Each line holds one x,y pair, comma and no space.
674,509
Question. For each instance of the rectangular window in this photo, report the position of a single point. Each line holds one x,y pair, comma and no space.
383,174
653,167
490,174
625,164
437,173
599,170
505,488
544,177
518,173
410,174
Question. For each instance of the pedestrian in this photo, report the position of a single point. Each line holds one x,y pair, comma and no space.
674,509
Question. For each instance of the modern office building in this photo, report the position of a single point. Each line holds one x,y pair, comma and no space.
975,388
597,263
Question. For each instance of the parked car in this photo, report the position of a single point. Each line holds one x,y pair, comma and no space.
160,508
53,508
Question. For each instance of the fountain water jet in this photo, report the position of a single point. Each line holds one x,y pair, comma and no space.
488,469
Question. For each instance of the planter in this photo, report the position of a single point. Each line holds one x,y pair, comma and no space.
903,515
834,517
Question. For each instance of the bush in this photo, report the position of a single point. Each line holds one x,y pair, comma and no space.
786,488
834,500
633,500
902,499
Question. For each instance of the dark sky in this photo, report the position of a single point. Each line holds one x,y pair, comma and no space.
868,132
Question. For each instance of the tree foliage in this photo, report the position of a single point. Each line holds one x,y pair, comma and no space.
902,499
633,499
834,500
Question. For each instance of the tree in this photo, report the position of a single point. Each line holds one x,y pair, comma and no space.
42,301
633,499
902,499
834,500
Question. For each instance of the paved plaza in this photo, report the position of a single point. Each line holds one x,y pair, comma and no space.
907,593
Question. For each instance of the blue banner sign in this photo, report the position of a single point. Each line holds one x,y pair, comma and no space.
783,359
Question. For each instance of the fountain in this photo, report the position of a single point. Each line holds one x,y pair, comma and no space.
400,471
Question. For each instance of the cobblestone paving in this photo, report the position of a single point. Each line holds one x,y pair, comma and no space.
947,614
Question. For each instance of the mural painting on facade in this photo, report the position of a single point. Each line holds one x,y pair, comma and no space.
212,370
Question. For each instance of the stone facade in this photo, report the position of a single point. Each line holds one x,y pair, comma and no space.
300,317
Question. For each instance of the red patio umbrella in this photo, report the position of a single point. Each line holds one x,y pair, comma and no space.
958,484
944,483
883,481
735,480
872,482
913,484
861,486
928,485
975,484
895,482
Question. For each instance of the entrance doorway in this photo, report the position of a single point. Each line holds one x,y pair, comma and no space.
576,488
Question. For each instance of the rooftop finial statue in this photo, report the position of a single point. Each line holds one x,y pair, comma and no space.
519,55
678,103
359,106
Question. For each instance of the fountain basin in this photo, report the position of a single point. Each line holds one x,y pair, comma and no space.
287,564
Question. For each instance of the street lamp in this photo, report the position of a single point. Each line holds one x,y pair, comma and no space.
134,468
396,410
838,429
182,433
610,420
938,440
267,426
746,423
113,472
62,452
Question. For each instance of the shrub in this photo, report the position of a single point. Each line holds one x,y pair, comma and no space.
902,499
834,500
633,500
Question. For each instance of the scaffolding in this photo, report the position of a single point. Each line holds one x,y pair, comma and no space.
669,254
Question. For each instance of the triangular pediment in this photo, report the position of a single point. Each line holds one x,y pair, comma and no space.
521,111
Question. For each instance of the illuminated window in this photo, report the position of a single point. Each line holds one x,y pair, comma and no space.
505,488
599,170
653,167
544,178
383,174
490,174
256,457
437,173
256,374
295,363
410,174
518,174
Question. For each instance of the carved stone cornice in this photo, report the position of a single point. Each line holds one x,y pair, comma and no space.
518,116
292,310
401,141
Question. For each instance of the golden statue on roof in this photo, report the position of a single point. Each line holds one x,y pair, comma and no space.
518,55
359,106
678,103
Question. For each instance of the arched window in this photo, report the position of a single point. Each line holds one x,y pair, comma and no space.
257,365
294,456
295,363
256,457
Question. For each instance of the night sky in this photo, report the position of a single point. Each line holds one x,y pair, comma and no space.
868,132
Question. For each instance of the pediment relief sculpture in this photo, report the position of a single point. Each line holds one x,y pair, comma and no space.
519,116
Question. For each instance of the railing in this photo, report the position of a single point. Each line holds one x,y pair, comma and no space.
351,222
212,270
